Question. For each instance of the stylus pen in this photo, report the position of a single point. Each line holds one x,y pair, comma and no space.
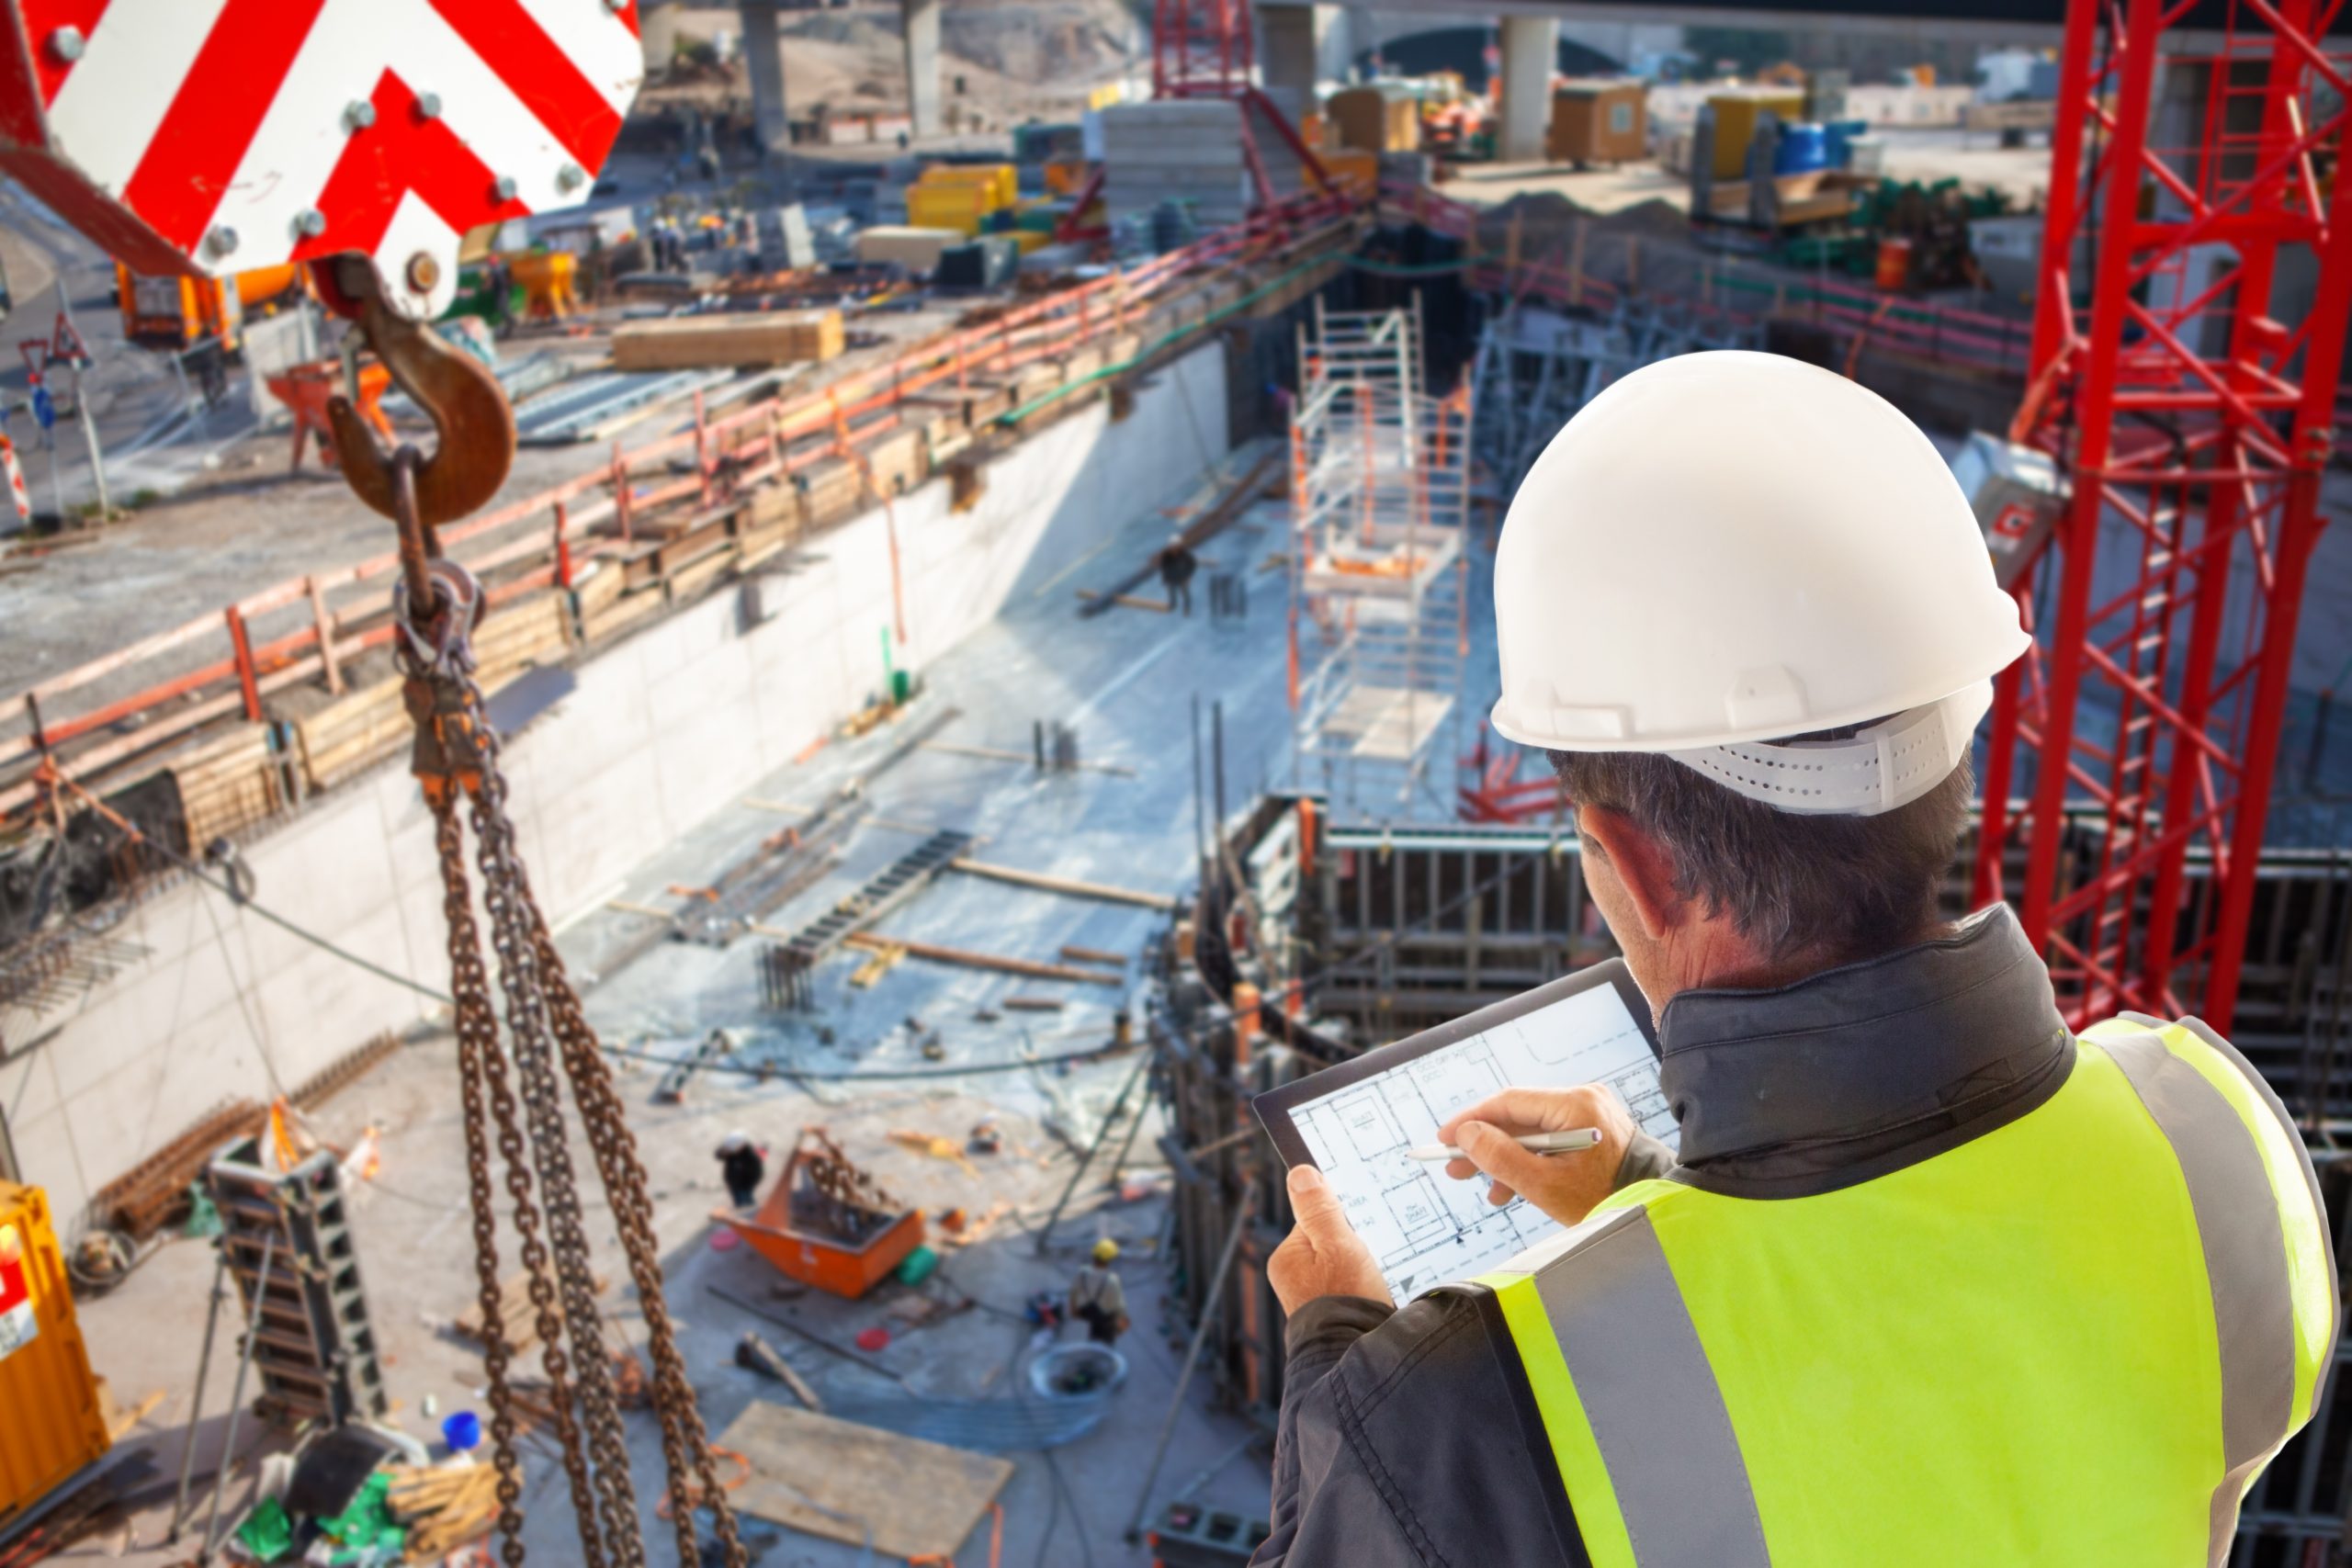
1566,1143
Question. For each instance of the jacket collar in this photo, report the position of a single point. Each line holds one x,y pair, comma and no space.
1860,1069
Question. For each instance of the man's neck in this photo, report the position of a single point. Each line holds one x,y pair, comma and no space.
1713,956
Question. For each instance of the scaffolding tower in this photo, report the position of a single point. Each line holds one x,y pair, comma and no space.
1380,498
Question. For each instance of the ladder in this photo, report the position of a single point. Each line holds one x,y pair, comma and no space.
901,880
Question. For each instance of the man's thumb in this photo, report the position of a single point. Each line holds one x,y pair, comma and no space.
1496,1153
1312,1199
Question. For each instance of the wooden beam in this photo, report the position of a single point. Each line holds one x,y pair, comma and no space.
1066,885
875,942
1001,754
1078,955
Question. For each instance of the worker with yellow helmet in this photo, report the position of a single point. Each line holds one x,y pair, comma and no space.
1098,1298
1931,1278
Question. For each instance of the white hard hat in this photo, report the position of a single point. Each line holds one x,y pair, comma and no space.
734,1140
1725,548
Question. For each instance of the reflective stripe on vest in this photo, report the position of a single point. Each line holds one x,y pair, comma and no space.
1986,1357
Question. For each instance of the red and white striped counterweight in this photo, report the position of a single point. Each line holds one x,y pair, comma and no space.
217,136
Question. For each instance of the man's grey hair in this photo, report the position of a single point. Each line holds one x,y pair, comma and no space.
1830,889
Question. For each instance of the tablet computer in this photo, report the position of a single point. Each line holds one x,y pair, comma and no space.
1353,1122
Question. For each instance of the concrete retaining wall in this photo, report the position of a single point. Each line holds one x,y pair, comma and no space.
663,730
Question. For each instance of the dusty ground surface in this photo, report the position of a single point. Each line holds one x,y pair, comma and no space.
250,521
1929,155
415,1252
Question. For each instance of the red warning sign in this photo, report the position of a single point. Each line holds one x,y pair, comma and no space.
17,1324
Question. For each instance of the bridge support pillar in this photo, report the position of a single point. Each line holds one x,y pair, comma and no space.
1530,45
921,21
764,60
1287,46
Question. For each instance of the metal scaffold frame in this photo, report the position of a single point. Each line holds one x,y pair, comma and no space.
2193,424
1537,364
1380,493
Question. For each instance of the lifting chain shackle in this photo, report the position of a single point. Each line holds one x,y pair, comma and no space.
512,1089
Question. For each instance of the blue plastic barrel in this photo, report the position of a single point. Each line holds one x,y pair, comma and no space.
1804,147
462,1431
1841,138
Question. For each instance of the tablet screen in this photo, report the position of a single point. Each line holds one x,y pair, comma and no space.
1426,1228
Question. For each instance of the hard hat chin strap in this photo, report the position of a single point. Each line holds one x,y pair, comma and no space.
1891,764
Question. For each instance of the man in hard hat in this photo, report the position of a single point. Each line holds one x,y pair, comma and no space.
743,1166
1931,1279
1097,1299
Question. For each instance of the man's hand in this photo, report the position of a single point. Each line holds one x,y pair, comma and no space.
1322,1256
1563,1186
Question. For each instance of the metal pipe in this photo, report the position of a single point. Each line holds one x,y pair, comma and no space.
1046,1231
196,1406
237,1392
1193,1354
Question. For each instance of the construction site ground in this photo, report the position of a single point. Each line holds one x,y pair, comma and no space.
1127,683
1927,155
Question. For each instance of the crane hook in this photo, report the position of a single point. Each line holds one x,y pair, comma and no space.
469,408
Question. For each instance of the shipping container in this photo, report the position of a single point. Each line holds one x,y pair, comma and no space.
1598,121
51,1426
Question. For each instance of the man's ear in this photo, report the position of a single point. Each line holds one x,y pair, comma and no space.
1641,864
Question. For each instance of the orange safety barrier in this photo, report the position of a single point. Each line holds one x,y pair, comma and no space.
305,389
590,513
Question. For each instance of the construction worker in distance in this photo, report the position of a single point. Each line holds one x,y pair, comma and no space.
1098,1299
744,1167
1931,1279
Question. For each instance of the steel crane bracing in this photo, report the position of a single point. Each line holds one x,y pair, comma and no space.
2191,406
216,136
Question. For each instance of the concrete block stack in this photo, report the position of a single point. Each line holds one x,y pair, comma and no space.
1187,151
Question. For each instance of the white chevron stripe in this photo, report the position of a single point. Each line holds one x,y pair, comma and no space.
599,43
302,136
137,55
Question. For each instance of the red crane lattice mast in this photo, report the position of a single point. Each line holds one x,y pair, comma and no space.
2193,424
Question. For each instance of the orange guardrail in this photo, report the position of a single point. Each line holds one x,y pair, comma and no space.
306,627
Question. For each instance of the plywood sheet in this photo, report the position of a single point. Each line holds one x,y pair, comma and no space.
919,1498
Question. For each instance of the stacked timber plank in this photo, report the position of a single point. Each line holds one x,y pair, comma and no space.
764,337
228,782
370,723
917,250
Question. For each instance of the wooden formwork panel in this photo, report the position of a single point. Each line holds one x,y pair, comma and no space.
227,783
900,459
370,723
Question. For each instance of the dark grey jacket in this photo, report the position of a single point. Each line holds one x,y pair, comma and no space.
1409,1437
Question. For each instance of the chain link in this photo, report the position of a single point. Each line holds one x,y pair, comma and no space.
518,1088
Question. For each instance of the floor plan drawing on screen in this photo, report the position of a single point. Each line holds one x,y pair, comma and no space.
1424,1227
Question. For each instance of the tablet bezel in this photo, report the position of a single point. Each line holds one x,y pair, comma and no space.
1274,1107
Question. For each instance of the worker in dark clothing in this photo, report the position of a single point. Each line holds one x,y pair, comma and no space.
1098,1298
739,1161
1177,565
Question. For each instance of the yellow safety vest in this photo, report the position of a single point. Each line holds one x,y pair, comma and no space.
2076,1339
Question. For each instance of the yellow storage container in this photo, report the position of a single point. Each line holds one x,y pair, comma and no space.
49,1422
947,208
1001,183
1736,112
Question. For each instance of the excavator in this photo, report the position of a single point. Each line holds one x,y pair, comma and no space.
359,139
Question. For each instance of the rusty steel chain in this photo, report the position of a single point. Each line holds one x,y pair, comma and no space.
515,1083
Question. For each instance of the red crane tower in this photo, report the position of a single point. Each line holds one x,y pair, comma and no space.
2192,421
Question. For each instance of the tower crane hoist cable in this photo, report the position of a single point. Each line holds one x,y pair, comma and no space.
512,1084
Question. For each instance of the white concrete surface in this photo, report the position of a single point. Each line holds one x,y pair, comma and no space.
664,730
